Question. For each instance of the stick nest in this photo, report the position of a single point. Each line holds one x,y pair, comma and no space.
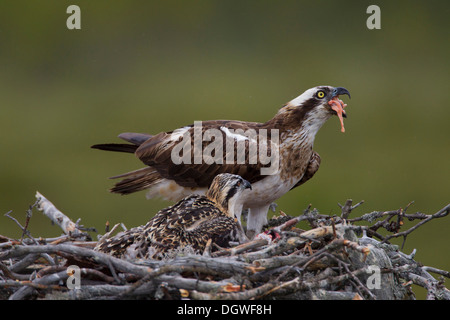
337,257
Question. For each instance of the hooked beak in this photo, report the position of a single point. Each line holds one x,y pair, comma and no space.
340,91
247,185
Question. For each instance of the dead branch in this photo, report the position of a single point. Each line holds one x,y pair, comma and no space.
440,214
59,218
348,207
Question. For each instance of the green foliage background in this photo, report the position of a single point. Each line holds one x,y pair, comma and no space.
157,65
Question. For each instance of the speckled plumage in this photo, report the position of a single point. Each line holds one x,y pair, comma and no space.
189,223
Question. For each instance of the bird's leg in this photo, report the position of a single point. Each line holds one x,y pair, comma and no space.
257,217
273,207
242,238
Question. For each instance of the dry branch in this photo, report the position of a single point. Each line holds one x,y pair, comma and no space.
328,261
65,223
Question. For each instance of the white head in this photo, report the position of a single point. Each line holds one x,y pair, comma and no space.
315,106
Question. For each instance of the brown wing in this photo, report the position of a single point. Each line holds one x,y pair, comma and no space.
117,245
312,168
157,152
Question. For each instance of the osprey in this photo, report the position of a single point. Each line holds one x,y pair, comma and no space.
192,222
285,143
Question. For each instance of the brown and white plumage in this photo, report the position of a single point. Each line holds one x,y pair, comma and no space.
189,223
297,123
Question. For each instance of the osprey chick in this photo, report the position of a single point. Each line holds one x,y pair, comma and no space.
190,223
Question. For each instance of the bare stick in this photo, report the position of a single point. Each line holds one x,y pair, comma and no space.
48,209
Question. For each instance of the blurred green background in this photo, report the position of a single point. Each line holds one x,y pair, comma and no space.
158,65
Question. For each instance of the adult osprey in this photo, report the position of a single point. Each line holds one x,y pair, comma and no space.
192,222
284,142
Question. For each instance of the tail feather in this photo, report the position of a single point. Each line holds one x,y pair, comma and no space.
120,147
135,138
137,180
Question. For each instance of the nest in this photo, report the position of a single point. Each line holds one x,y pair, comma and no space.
338,257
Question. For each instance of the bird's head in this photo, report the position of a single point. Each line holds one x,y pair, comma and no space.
316,105
226,189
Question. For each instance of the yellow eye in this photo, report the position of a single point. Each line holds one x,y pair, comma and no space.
320,94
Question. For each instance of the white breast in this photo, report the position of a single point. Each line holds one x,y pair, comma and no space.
267,190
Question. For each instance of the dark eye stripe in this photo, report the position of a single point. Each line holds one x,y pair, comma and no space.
230,194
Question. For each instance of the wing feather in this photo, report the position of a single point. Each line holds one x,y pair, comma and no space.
157,153
312,168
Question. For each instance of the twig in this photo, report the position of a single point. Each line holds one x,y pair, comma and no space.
254,244
40,283
347,208
28,217
435,289
437,271
24,230
108,234
441,213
